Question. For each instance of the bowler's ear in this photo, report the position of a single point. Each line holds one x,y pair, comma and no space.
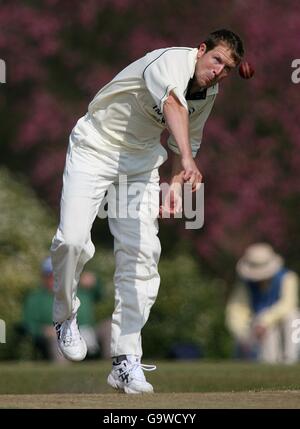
201,49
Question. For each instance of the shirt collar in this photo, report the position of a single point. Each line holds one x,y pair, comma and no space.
199,95
203,93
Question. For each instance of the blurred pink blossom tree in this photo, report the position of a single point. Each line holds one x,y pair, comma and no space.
59,54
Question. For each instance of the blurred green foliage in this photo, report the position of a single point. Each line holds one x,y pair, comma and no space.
189,307
26,229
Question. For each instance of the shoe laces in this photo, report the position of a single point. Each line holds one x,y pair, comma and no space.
135,369
68,331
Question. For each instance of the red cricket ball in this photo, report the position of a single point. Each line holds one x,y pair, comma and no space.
246,71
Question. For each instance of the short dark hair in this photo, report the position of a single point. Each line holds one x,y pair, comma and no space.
232,40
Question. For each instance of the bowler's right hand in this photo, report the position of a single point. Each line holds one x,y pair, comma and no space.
172,203
191,173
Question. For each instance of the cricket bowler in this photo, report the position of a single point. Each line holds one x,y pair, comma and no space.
117,141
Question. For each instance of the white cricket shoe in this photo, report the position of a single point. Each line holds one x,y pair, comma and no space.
128,376
70,342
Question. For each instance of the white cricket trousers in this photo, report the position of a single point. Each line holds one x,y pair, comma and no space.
93,166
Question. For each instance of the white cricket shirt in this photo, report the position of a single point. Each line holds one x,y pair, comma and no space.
128,110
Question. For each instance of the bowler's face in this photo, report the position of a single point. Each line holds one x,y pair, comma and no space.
214,65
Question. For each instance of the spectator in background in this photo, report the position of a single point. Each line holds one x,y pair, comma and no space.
263,306
37,316
37,319
97,336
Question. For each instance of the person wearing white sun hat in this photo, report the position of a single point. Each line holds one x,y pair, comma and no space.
263,308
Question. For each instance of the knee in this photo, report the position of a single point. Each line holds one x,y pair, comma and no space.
74,246
151,250
156,249
145,253
70,244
